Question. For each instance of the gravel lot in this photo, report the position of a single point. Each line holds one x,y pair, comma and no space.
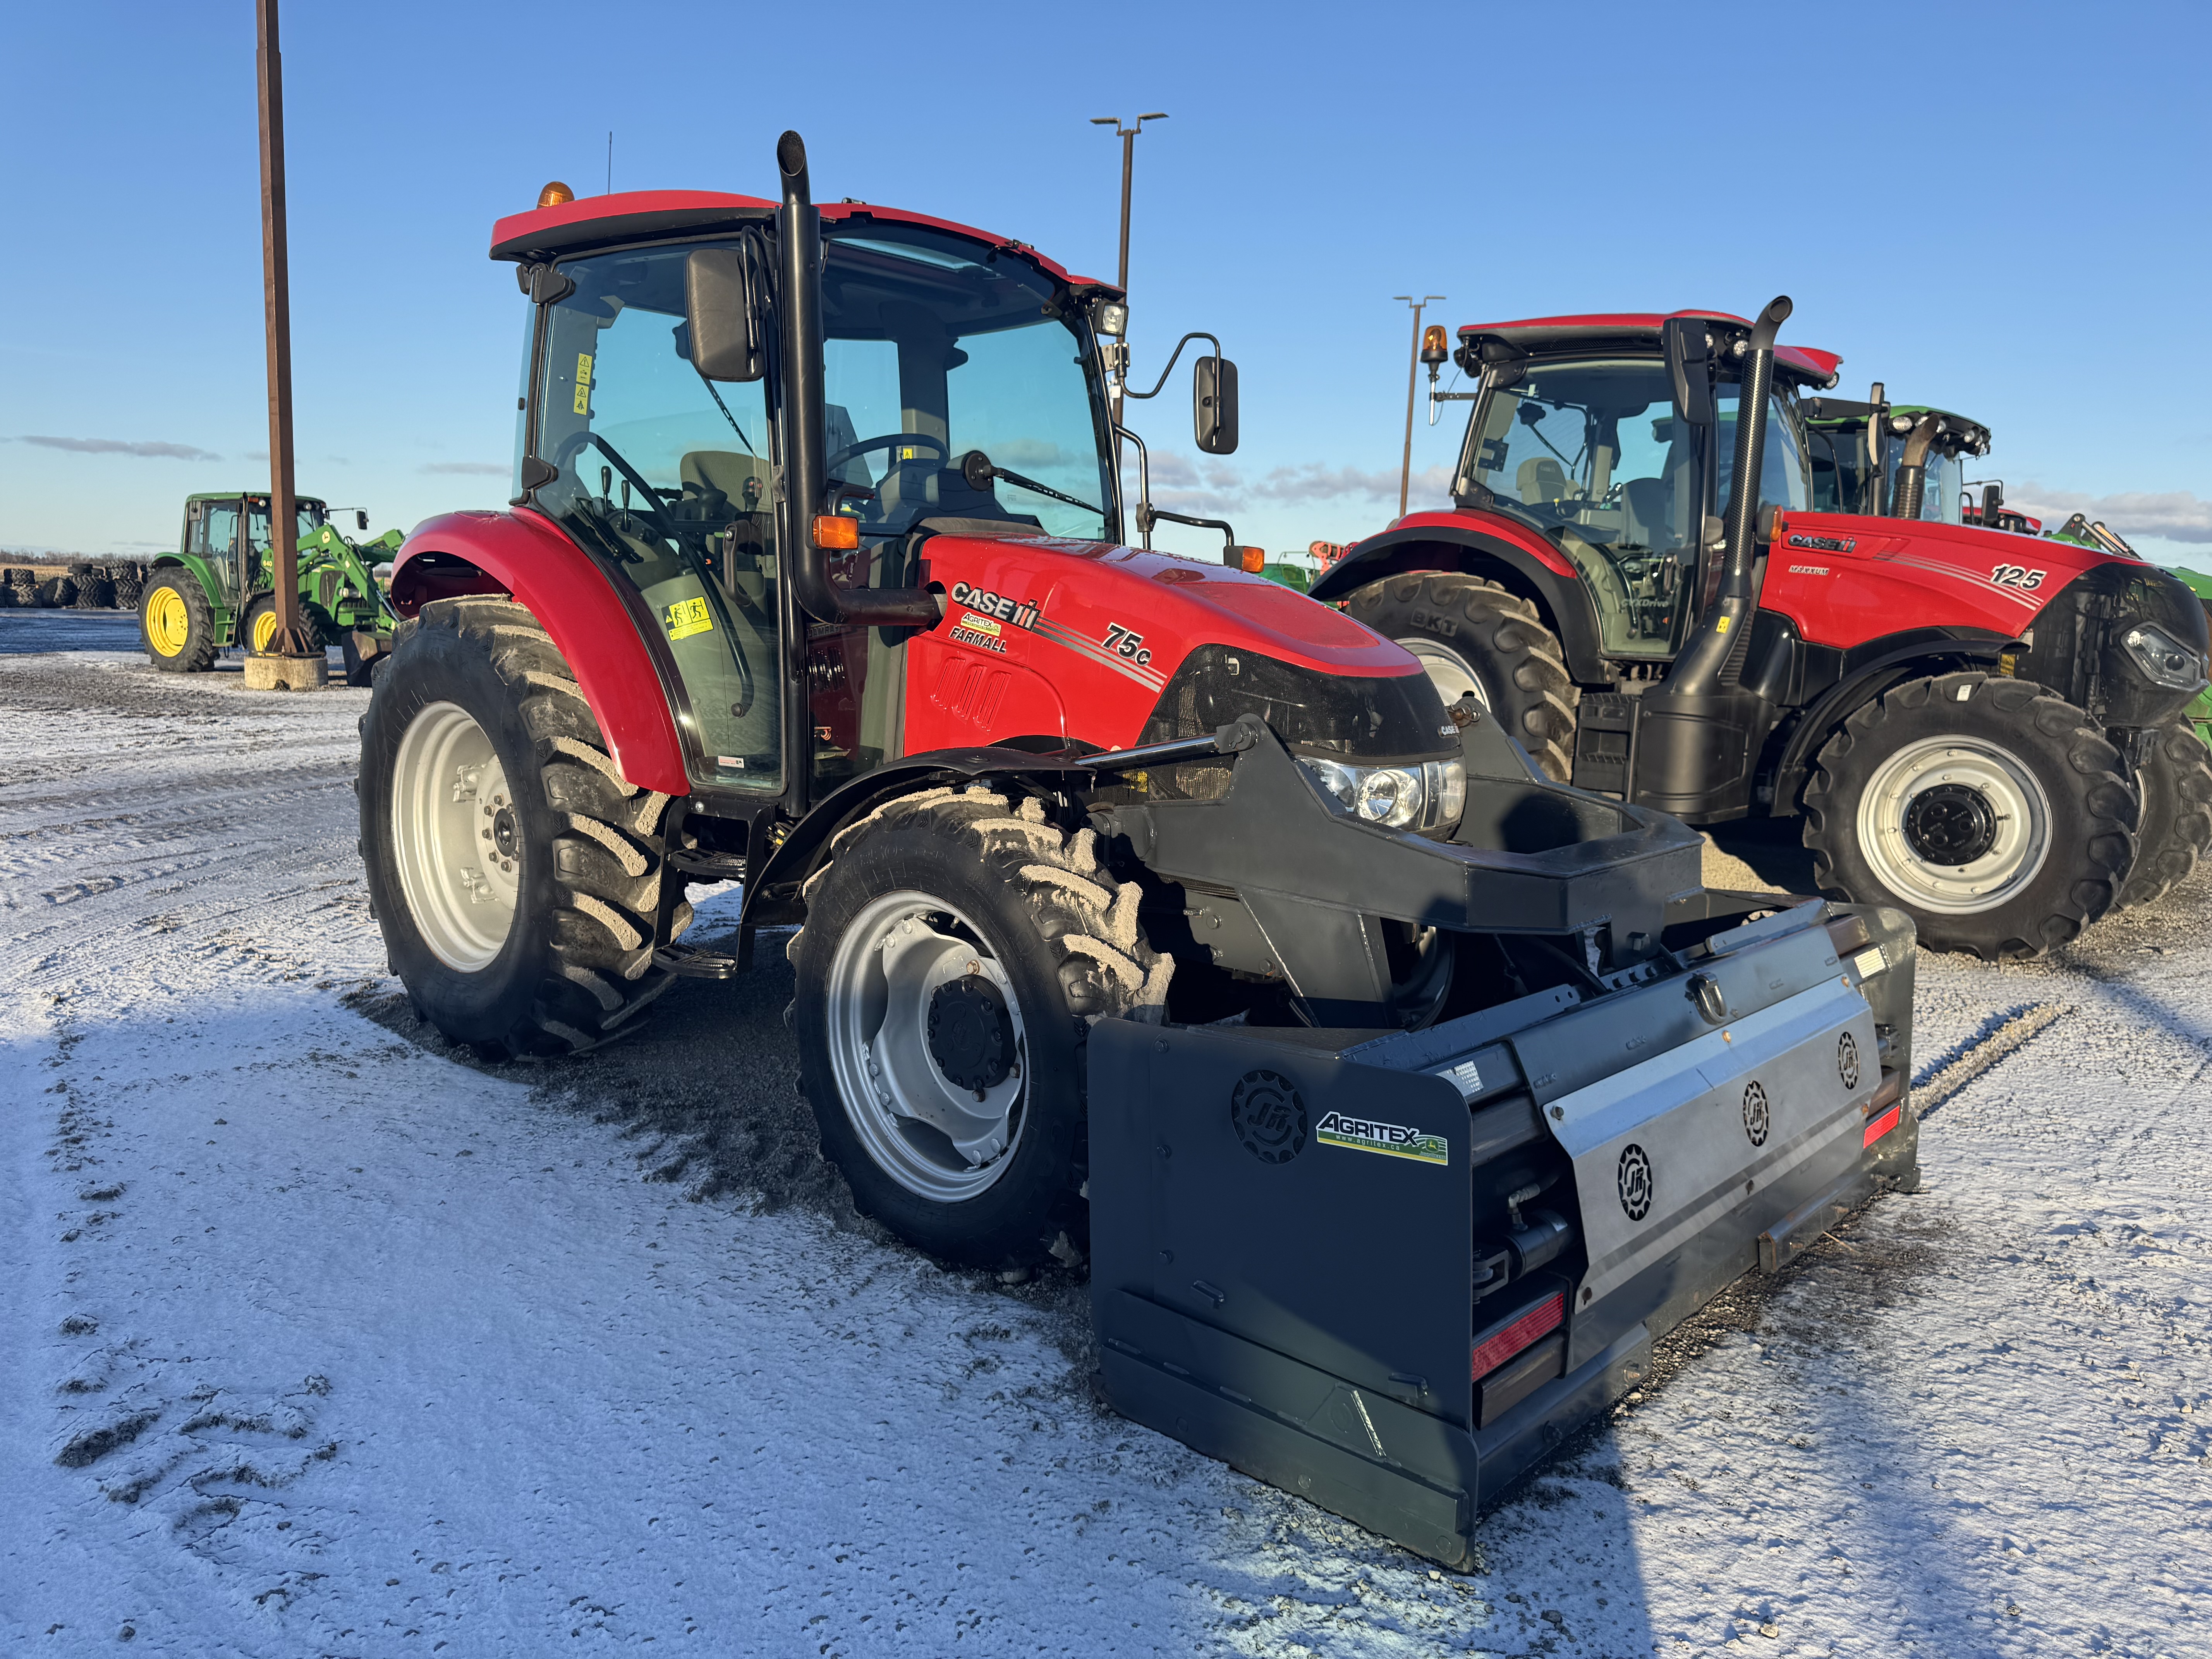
321,1338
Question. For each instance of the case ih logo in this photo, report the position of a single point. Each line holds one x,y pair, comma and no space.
1017,612
1823,544
1756,1117
1847,1061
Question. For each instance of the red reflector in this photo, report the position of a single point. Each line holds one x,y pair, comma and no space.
1542,1319
1882,1125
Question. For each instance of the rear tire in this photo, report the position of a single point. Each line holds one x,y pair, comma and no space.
257,629
2175,782
924,897
1994,813
544,946
175,623
1474,634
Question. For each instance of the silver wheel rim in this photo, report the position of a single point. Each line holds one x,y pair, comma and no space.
2014,793
936,1140
455,837
1449,671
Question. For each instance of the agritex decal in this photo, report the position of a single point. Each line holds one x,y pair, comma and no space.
1362,1134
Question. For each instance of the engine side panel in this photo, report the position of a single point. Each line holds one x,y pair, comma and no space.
522,554
1845,581
1088,634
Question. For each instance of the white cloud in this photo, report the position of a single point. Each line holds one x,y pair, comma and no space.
473,469
2174,515
1317,481
145,448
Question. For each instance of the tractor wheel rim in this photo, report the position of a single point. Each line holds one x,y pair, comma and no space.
449,804
264,630
1954,798
168,623
1452,675
937,1139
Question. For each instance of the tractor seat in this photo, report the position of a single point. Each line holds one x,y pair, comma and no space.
1541,479
1646,500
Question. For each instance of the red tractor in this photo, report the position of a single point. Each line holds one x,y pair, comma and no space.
1977,730
1135,905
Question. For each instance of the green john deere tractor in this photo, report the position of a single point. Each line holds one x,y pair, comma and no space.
218,588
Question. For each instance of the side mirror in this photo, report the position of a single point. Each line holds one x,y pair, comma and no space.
361,522
717,315
1213,414
1992,504
1683,339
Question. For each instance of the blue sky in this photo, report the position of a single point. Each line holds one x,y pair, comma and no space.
1996,208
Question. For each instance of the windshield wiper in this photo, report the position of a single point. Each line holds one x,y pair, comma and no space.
975,467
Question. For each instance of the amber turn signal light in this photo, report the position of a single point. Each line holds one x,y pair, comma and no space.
554,194
835,533
1251,560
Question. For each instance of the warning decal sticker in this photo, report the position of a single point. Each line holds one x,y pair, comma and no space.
583,383
686,617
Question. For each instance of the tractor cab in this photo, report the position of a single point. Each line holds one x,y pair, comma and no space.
226,534
1842,437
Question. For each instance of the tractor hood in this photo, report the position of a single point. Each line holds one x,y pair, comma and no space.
1102,629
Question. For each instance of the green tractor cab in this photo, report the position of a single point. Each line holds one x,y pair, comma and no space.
1842,436
217,589
2200,712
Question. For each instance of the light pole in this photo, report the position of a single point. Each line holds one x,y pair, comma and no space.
1117,356
1412,380
289,640
1128,134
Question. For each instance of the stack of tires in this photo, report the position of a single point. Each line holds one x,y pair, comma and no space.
130,585
23,585
95,588
57,592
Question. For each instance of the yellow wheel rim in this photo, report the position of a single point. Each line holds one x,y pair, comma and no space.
264,630
168,623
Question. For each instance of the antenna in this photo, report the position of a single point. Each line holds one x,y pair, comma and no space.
611,164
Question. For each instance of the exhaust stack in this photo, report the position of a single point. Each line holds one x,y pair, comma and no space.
799,237
1913,468
1699,670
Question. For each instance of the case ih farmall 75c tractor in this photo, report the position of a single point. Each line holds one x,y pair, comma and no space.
1972,726
1400,1095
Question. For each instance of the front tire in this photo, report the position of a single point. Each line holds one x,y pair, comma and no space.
1993,812
176,624
1474,635
956,949
257,630
2175,782
517,877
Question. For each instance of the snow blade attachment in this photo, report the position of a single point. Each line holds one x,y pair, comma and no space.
1388,1272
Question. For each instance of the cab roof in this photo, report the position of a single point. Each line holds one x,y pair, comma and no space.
256,495
1530,335
634,216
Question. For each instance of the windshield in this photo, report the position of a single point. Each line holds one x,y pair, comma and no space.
1938,498
1591,452
310,516
1837,454
935,350
1783,480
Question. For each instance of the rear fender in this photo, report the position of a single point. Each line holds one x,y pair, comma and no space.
596,626
1547,580
220,607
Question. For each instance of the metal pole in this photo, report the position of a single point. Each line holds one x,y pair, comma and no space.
1413,383
1128,168
283,515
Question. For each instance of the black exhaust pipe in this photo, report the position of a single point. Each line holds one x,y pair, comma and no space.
799,234
1698,669
1912,469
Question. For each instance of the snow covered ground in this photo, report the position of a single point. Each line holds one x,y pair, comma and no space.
316,1339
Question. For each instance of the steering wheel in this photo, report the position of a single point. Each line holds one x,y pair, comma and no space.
889,439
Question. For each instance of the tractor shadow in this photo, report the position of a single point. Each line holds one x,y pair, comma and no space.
1758,854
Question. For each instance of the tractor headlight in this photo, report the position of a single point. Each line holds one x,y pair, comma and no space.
1420,795
2165,658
